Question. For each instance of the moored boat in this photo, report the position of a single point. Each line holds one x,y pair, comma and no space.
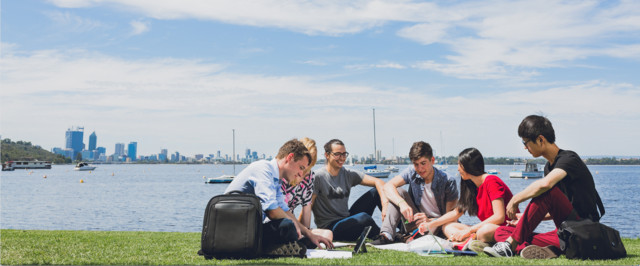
373,171
392,169
12,165
530,171
220,179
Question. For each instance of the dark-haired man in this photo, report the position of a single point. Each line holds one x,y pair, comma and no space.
262,178
567,191
431,193
330,198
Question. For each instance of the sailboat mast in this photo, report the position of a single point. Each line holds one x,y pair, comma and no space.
375,149
234,151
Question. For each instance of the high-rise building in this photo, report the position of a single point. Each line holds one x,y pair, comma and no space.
119,149
132,150
93,139
73,139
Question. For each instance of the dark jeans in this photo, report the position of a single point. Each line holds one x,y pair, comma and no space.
350,228
278,232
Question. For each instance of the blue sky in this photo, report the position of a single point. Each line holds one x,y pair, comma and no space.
181,75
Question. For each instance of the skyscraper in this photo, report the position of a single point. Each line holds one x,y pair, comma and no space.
119,149
73,139
93,139
132,150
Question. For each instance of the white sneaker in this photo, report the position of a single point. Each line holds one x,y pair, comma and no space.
500,249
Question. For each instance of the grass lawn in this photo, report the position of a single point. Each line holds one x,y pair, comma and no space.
169,248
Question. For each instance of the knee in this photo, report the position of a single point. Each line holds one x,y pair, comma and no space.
288,230
363,218
486,232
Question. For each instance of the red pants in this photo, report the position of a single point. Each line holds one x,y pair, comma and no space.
553,202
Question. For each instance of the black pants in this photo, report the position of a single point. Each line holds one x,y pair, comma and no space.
350,228
278,232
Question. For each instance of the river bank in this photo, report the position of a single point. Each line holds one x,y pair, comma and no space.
175,248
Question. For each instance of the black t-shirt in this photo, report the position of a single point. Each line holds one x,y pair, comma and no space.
578,185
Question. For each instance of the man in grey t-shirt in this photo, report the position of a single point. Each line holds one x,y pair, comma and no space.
332,187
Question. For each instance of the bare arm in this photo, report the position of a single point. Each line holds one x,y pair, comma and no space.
305,216
391,191
379,185
535,189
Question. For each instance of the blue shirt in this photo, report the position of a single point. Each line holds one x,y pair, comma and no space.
444,188
261,178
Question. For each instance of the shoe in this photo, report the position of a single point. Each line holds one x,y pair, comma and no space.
500,249
464,245
381,239
538,252
477,246
290,249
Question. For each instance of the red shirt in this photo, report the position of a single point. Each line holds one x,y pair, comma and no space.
491,189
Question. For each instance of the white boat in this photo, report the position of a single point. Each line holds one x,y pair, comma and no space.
84,167
493,172
530,171
226,178
373,171
12,165
392,169
220,179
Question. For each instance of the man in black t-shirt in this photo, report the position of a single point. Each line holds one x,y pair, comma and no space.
567,191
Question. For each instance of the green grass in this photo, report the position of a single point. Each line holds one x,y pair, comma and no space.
163,248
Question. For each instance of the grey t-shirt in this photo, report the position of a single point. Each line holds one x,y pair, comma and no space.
332,195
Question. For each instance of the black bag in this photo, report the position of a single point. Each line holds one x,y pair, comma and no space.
586,239
232,227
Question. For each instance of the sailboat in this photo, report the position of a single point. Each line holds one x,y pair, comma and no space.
373,170
226,178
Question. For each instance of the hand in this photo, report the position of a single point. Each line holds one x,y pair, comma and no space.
426,227
420,218
514,222
298,230
317,239
512,210
406,211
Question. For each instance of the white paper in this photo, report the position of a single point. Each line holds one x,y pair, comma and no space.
328,254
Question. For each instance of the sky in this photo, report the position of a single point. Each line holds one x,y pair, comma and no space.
181,75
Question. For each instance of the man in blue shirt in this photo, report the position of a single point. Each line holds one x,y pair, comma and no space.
262,178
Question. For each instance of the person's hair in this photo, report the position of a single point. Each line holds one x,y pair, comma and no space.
296,147
420,149
472,162
534,125
313,151
327,146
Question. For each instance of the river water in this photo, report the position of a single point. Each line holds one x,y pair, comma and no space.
172,198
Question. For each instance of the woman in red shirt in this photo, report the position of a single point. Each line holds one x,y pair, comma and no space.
481,195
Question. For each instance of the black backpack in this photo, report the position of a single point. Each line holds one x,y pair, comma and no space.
232,227
586,239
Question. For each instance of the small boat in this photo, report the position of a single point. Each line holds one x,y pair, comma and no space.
12,165
84,167
530,171
493,172
392,169
220,179
373,171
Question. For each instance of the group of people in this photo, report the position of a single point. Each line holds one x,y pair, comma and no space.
432,203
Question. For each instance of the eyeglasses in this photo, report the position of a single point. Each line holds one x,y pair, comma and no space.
524,142
340,154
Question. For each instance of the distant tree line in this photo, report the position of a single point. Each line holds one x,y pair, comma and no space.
613,161
24,150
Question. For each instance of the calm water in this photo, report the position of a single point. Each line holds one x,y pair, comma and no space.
173,197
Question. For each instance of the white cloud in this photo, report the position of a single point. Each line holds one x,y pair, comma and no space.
139,27
193,104
389,65
73,22
505,38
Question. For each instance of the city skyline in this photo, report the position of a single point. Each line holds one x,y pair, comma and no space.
180,75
